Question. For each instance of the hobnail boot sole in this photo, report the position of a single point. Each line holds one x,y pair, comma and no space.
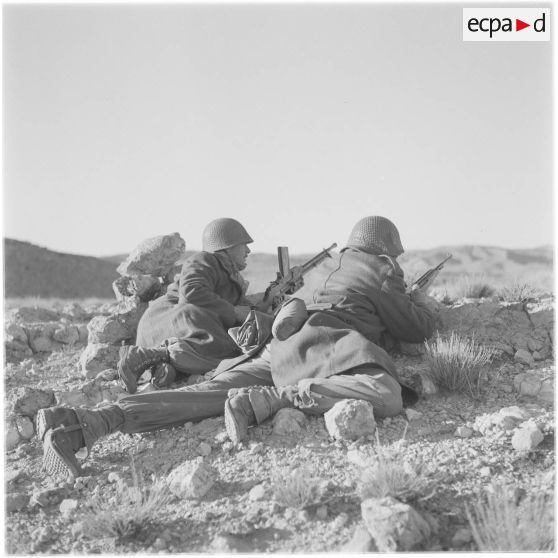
127,383
43,423
58,455
234,430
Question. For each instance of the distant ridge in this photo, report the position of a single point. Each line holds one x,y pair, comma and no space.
31,270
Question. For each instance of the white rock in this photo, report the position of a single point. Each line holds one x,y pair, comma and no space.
27,401
361,542
527,437
68,506
12,437
257,493
523,356
109,329
154,256
192,479
358,457
287,422
67,334
484,472
395,526
350,419
322,512
428,386
98,357
412,414
25,427
114,477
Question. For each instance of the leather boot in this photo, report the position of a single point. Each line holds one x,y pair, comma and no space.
53,417
163,375
248,406
136,360
81,428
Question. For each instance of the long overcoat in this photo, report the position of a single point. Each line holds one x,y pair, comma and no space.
369,304
198,309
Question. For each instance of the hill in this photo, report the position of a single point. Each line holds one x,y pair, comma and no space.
31,270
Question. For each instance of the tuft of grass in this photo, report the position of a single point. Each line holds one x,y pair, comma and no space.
133,509
295,487
456,363
473,286
499,522
518,292
392,472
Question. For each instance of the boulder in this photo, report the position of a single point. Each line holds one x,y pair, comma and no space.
536,383
33,314
67,334
192,479
361,542
27,401
146,287
11,433
109,329
130,310
527,437
25,427
288,422
394,526
523,356
75,312
16,342
41,337
154,256
98,357
350,419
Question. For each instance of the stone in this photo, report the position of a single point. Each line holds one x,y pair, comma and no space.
68,506
12,437
524,357
192,479
394,526
288,422
83,333
41,337
322,512
358,457
130,310
506,419
114,477
485,472
412,414
33,314
90,394
16,502
547,391
74,311
109,329
527,437
428,386
463,432
27,401
25,427
350,419
67,334
98,357
108,375
146,287
257,493
227,543
462,536
12,475
154,256
44,497
204,449
13,332
361,542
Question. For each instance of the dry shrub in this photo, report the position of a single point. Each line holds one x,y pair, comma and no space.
295,487
394,473
518,292
133,509
473,286
456,363
498,522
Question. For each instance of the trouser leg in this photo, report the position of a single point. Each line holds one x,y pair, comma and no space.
318,395
164,409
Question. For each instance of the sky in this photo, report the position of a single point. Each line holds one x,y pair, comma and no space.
123,122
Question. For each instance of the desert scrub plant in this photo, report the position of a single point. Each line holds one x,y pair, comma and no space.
295,487
499,522
473,286
133,508
391,472
518,292
456,363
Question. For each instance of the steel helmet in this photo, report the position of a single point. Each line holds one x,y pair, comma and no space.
377,235
224,233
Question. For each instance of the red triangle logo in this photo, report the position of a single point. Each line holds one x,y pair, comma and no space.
519,25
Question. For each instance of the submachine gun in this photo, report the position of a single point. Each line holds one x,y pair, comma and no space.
290,279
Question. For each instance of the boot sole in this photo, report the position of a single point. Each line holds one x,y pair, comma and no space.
233,430
58,456
129,385
43,423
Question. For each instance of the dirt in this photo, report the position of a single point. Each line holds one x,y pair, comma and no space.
228,518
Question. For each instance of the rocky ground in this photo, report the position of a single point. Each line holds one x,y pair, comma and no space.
226,498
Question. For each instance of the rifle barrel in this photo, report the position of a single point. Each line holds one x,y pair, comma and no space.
325,253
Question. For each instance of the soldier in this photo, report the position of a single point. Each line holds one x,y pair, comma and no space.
186,330
336,354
